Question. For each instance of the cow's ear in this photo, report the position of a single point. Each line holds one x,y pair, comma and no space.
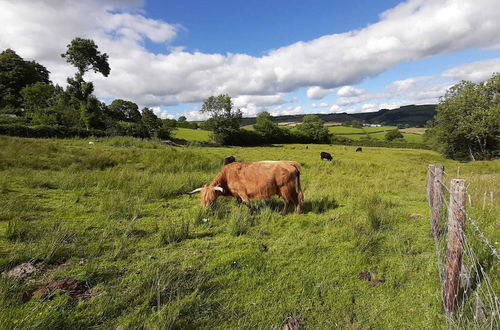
219,189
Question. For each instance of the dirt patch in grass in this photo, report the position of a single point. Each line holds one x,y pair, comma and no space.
293,323
367,276
77,290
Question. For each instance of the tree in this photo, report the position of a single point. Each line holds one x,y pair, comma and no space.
37,96
393,134
15,74
467,121
182,118
123,110
312,130
83,54
151,121
268,129
224,120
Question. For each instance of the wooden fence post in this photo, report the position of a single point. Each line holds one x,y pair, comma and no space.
437,202
454,251
430,184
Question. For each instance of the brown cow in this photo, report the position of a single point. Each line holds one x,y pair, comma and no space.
256,180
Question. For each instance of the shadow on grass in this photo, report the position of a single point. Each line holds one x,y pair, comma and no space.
317,206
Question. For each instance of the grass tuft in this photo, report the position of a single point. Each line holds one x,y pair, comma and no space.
240,220
172,231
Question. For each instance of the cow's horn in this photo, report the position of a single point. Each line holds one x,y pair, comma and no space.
219,189
195,191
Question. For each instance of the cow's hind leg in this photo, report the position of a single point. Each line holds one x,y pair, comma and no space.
285,193
285,207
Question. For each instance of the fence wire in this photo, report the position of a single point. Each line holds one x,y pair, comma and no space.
478,303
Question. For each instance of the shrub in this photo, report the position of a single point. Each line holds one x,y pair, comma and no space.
393,135
43,131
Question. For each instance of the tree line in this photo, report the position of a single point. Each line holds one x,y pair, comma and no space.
31,105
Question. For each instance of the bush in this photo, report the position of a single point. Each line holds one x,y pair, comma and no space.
393,135
43,131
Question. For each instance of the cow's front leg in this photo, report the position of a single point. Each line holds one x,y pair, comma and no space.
244,199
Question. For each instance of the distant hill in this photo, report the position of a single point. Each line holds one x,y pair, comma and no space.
413,115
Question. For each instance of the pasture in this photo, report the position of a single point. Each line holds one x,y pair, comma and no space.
113,216
188,134
412,135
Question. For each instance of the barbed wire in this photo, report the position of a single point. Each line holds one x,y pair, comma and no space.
482,280
478,305
472,221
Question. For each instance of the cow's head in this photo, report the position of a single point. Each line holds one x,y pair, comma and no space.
208,194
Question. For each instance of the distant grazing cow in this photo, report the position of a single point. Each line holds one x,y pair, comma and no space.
359,149
307,147
229,160
326,155
256,180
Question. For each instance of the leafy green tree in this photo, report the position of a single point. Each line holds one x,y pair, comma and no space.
312,130
165,131
83,55
269,130
224,120
357,124
151,121
467,121
169,122
123,110
15,74
393,134
37,96
37,102
182,118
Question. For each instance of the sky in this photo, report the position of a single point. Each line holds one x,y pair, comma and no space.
284,57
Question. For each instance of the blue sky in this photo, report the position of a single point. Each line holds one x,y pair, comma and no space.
284,57
255,27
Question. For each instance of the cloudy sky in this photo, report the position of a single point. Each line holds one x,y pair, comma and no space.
282,56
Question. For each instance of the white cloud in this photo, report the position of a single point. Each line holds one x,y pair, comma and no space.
290,110
413,30
334,108
321,105
347,91
161,113
476,71
194,115
317,92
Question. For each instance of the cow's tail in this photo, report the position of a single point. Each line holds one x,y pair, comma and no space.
300,194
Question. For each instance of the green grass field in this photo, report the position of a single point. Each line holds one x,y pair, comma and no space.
409,137
372,132
378,129
345,130
192,134
114,217
355,136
